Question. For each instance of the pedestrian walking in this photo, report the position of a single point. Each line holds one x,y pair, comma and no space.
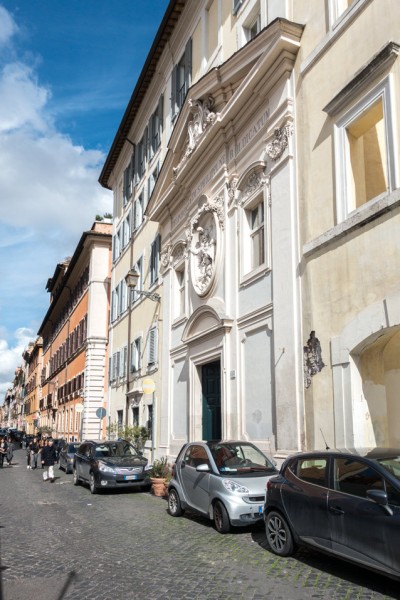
34,451
10,451
24,442
3,451
42,444
49,458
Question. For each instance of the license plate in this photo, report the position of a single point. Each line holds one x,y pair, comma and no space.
129,477
260,510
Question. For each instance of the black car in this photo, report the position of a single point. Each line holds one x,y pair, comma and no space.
66,455
345,503
110,464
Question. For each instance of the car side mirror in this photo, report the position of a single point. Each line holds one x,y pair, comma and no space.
204,468
380,497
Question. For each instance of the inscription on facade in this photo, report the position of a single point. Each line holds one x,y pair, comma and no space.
250,134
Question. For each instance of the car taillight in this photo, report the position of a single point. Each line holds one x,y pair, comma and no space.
173,470
269,485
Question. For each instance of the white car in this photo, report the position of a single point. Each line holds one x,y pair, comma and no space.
223,480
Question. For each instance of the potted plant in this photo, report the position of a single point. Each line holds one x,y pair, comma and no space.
160,474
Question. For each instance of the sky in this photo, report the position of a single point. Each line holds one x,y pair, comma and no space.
67,71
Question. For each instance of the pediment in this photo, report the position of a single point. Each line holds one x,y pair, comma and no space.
206,320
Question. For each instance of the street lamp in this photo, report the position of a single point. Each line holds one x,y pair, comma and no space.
132,279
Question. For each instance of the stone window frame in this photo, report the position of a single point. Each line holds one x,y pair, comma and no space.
372,82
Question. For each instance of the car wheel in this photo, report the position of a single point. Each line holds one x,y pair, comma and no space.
77,481
221,518
174,504
92,484
279,536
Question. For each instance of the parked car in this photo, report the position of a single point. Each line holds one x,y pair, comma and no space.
110,464
66,455
343,503
222,480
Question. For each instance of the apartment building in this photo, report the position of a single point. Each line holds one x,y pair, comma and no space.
255,179
75,340
33,364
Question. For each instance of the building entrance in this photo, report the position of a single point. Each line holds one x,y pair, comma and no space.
211,392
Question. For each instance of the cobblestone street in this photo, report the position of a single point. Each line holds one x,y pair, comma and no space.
59,541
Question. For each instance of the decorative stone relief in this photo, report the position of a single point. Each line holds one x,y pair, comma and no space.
232,190
202,235
313,363
180,253
202,117
165,256
280,141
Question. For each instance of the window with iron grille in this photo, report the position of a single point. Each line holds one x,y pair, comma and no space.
181,79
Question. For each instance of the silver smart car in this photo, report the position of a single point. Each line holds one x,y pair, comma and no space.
223,480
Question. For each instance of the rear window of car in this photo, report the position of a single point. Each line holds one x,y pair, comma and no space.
311,470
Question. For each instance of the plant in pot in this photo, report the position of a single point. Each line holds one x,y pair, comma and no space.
160,474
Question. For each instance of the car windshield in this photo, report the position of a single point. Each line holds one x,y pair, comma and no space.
119,449
240,458
392,465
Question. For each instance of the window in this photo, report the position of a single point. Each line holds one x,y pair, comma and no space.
138,209
236,5
126,230
152,347
136,358
251,30
135,416
120,418
155,259
123,365
180,290
257,235
338,7
156,127
311,470
355,477
127,186
365,149
151,182
181,79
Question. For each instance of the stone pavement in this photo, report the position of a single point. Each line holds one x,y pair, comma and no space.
60,542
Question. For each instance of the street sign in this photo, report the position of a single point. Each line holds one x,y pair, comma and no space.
101,413
79,407
148,386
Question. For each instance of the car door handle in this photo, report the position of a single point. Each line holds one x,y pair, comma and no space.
336,510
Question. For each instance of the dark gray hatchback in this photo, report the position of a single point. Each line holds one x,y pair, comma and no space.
110,464
344,503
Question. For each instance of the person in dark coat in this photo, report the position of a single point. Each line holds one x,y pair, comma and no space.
34,451
3,451
49,458
10,450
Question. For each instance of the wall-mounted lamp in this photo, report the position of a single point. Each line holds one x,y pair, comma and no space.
132,279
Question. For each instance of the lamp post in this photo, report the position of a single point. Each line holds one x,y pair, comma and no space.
132,279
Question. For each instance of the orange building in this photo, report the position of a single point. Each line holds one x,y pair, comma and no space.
33,357
75,340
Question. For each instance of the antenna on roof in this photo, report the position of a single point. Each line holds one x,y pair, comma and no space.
326,445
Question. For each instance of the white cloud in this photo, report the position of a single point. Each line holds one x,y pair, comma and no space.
11,357
49,195
8,27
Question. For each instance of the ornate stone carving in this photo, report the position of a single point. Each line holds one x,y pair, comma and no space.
166,256
313,363
204,249
253,182
232,189
280,141
202,117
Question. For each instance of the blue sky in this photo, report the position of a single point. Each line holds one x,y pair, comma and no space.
67,70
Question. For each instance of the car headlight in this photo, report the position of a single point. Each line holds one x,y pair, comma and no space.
104,467
234,487
148,468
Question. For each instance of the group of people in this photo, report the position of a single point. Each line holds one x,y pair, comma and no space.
44,447
6,451
48,457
